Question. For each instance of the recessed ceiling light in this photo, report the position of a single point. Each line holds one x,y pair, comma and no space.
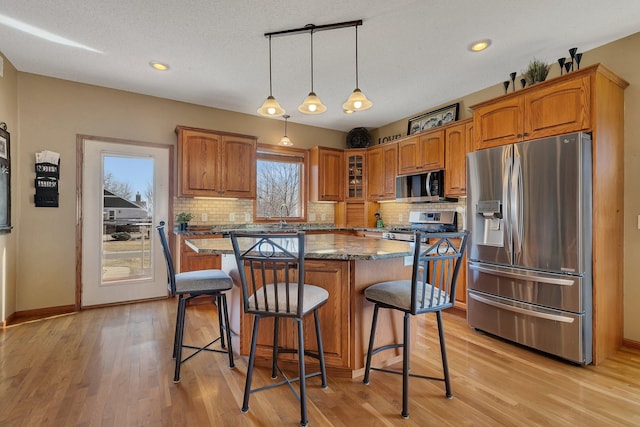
480,45
159,66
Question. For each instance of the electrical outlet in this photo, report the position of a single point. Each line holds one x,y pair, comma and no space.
323,217
203,217
232,216
312,217
247,217
399,217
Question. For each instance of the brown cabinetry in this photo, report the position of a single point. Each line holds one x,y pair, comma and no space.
382,163
334,318
590,100
421,153
355,161
215,164
326,175
545,109
458,142
190,260
356,214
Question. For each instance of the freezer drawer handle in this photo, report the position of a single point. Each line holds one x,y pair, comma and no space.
547,316
512,275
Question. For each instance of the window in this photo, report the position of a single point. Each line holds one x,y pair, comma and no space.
280,184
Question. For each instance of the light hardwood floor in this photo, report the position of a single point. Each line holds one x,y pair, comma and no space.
112,367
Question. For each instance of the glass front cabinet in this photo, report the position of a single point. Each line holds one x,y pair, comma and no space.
356,180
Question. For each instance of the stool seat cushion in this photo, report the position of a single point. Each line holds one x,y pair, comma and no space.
313,297
202,281
397,293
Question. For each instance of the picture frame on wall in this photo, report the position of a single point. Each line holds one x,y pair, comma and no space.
433,119
5,180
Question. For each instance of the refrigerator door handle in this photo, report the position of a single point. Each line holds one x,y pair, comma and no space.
554,317
519,276
516,200
507,161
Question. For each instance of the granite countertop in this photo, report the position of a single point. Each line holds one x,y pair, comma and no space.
222,229
323,246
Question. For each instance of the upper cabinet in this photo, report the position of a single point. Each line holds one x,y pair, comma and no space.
553,107
326,175
382,163
458,142
215,164
421,153
355,161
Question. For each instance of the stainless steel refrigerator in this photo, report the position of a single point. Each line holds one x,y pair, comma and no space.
529,256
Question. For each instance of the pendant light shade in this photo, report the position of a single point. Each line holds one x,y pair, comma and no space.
285,139
357,101
270,107
312,104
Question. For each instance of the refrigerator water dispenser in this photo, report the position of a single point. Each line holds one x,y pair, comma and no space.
491,211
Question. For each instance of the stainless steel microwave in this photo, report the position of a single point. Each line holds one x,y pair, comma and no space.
424,187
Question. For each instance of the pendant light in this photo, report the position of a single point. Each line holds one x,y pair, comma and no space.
270,108
312,104
285,139
357,100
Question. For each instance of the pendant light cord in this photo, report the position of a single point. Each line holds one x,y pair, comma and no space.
357,86
270,84
311,32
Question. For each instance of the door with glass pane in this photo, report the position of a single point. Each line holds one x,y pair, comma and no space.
125,191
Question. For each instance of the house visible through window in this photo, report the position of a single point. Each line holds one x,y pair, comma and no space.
280,183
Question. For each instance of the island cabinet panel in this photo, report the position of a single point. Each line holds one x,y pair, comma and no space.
215,164
334,319
546,109
327,174
190,260
458,142
382,166
421,153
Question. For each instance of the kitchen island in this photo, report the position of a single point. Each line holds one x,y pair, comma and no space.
344,265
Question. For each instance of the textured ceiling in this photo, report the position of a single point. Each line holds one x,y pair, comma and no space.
413,55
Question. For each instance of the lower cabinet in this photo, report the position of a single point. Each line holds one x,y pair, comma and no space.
334,319
190,260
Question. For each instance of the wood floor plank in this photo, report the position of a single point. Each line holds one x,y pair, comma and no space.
112,366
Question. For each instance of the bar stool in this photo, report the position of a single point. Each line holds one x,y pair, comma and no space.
189,285
432,288
271,268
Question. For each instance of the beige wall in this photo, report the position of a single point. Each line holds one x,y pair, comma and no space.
9,115
52,112
622,58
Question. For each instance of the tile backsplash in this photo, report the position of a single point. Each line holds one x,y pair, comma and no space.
239,211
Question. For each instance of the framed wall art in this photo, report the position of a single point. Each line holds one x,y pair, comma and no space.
433,119
5,180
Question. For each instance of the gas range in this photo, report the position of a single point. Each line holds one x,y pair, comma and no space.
426,222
